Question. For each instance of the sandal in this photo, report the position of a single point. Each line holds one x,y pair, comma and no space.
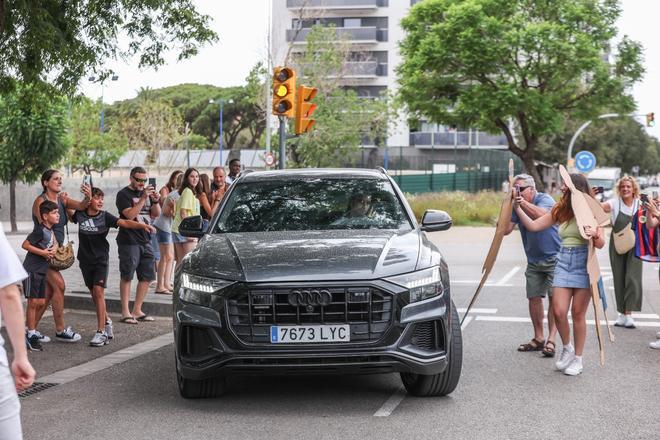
128,320
533,345
163,292
145,318
549,351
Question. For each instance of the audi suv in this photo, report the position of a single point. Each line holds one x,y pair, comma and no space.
315,271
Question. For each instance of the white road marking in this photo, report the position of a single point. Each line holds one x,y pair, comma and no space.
589,321
506,278
475,282
477,310
390,404
645,315
466,322
93,366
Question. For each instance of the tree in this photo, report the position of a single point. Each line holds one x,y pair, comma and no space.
154,127
92,150
527,65
32,137
63,40
343,119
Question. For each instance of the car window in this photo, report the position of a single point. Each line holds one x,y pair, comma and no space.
312,204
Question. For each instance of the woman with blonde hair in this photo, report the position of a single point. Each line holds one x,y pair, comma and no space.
626,269
570,286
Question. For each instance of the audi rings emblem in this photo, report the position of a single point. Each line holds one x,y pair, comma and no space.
310,297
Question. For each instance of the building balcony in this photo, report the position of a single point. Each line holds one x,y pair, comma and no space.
336,4
354,35
461,139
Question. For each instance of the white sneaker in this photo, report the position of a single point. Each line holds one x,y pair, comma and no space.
655,344
109,330
99,340
567,355
620,321
630,323
575,367
42,338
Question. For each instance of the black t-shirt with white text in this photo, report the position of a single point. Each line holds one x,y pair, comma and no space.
42,238
127,198
92,234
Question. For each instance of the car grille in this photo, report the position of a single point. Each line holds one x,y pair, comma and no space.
252,311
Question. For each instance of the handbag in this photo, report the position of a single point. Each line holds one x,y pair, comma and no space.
64,256
624,240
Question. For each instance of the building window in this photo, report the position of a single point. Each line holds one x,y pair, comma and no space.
352,22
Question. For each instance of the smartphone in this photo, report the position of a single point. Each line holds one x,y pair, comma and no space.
644,198
599,190
87,180
152,182
655,195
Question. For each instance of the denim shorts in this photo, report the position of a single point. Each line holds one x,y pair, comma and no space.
163,237
178,238
571,268
155,247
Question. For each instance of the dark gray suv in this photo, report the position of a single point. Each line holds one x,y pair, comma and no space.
315,271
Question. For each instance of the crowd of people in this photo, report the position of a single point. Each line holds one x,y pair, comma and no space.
557,262
148,244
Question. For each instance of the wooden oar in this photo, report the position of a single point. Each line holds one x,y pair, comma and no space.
502,223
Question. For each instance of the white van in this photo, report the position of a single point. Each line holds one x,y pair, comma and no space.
607,178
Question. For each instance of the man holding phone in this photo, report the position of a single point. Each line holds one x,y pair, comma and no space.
541,249
136,202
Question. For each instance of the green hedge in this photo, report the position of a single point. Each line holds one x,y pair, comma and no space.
465,209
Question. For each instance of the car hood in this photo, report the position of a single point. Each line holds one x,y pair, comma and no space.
305,255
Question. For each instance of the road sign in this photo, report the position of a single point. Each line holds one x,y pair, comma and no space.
585,161
269,159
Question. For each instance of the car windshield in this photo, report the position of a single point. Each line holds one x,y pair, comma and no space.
312,204
605,183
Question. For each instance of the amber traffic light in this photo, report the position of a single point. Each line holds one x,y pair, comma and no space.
304,109
284,91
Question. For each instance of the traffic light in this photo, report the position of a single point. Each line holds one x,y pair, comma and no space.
284,91
304,109
650,119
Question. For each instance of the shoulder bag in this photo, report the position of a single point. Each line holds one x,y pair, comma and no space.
624,240
64,257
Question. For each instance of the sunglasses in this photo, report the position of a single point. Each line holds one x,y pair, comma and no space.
138,180
523,188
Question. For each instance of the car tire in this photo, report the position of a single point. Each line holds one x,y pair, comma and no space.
201,389
444,383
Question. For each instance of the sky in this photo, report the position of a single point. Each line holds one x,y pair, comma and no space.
243,40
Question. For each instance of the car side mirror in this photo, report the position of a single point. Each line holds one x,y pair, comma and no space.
192,226
435,220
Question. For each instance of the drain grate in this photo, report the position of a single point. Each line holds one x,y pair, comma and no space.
35,388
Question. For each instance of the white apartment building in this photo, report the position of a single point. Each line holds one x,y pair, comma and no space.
373,29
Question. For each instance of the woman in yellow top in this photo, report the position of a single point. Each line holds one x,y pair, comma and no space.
571,280
186,205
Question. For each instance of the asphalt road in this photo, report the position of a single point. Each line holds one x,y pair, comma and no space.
502,394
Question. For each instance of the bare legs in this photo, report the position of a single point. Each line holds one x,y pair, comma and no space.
536,313
140,294
561,301
165,267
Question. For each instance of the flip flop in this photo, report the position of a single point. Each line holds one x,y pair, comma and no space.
163,292
128,320
145,318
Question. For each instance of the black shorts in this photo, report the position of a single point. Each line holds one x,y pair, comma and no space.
95,274
136,258
34,286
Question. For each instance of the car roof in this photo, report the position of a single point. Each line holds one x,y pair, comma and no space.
314,173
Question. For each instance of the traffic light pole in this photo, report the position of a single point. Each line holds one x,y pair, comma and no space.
282,141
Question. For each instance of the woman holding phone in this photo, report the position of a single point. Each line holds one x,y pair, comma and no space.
626,268
570,286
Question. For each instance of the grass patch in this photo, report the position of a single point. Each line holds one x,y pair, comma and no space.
465,209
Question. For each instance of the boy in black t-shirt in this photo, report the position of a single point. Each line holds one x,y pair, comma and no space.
41,246
93,256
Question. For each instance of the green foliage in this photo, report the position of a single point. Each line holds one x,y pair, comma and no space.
92,150
620,142
537,63
63,40
342,118
33,134
465,209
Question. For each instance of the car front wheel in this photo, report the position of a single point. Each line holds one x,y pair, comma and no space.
443,383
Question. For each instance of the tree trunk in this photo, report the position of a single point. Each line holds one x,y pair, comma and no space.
12,204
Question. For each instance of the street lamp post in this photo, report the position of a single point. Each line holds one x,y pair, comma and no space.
222,105
113,78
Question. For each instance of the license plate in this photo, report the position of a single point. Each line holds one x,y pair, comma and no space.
294,334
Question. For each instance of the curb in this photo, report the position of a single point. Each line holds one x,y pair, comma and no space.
82,301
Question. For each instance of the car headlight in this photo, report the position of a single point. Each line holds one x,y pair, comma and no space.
201,290
422,284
